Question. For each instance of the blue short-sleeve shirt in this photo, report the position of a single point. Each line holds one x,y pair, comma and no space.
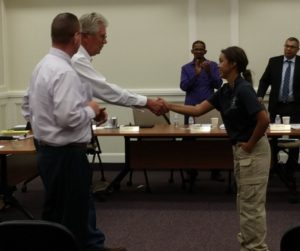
238,108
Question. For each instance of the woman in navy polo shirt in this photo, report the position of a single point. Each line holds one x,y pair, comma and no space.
246,122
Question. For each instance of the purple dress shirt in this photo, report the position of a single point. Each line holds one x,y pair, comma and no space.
201,87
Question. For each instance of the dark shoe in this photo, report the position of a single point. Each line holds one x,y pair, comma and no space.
99,186
114,249
216,175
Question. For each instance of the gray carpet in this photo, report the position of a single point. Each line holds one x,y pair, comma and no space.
170,219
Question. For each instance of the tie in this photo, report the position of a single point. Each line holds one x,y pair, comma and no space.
286,82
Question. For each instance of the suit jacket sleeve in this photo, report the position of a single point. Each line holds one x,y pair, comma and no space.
265,81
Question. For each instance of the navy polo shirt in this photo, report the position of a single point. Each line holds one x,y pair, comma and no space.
238,108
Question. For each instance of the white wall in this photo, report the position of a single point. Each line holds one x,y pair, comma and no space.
148,41
264,27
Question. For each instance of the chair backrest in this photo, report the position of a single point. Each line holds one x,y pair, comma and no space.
205,119
35,235
144,117
290,241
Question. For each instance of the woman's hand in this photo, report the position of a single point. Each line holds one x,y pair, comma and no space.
245,146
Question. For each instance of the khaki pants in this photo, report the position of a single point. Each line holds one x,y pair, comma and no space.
251,174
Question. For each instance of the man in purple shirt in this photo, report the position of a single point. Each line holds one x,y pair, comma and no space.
199,78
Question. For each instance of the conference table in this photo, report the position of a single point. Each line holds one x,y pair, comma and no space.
24,150
177,147
160,147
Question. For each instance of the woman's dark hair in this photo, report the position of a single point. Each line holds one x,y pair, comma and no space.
235,54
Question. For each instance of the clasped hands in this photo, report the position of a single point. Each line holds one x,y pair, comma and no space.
158,106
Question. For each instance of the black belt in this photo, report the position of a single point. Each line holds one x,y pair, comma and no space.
79,145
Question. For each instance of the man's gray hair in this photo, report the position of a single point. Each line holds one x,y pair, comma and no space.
90,22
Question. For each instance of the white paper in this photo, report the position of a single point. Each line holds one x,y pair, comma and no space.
200,128
295,126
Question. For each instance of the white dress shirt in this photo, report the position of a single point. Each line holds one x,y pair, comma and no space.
56,102
101,89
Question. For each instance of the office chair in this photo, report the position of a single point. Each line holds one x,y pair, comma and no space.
35,235
290,240
287,175
95,150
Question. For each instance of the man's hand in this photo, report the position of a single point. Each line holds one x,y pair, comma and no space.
206,66
101,118
156,106
100,113
94,105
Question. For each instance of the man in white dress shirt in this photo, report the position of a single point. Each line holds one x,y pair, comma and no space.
60,111
93,38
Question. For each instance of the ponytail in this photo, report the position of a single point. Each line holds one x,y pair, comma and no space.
247,76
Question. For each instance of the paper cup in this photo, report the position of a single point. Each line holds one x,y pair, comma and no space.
286,120
214,122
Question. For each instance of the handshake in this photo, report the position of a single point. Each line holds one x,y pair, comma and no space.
158,106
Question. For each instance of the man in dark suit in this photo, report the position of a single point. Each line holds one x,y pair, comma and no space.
283,76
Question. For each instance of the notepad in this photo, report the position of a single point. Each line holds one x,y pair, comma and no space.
295,126
14,132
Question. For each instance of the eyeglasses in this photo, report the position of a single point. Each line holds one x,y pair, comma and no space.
290,46
103,37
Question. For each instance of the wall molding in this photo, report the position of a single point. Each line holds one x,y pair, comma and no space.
167,92
13,101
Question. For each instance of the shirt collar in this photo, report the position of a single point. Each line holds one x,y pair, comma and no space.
85,53
194,61
60,53
293,60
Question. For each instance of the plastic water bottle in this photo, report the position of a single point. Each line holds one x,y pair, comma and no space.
176,120
277,119
191,120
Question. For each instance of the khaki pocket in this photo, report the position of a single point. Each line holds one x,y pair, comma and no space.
246,170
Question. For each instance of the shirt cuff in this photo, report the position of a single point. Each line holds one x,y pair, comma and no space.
90,112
